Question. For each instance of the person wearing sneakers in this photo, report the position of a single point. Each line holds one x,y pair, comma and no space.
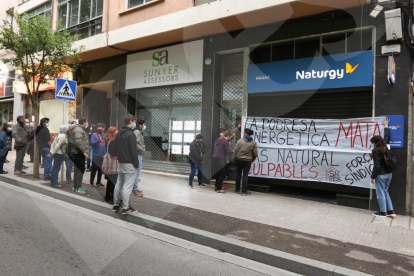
196,161
141,126
98,151
80,153
4,146
381,176
126,149
246,153
59,152
20,134
221,150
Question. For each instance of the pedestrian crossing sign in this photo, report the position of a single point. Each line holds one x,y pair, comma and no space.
65,90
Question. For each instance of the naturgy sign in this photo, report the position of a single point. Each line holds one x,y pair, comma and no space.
177,64
326,72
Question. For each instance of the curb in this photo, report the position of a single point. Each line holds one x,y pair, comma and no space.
275,258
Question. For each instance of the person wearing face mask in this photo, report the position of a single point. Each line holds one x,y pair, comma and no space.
5,145
9,138
221,150
196,161
126,150
20,133
44,142
98,150
79,151
140,128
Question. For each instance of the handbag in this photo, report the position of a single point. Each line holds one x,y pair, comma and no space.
109,164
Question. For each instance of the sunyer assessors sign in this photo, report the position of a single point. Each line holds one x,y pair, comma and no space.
332,151
176,64
325,72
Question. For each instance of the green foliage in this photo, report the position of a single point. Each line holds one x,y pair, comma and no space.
38,51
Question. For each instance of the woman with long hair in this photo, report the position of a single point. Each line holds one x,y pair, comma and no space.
110,147
380,176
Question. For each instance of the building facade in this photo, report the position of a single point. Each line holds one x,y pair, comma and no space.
184,65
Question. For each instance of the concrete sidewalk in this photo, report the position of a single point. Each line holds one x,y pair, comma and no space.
320,231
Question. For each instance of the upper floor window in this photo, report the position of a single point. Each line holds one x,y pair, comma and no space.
43,10
10,17
82,17
134,3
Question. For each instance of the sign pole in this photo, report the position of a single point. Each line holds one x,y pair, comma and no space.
64,120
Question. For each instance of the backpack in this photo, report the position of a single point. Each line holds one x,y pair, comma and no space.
391,161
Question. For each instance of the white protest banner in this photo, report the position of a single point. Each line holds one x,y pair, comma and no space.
332,151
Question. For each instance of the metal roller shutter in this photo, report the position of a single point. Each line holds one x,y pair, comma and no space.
320,105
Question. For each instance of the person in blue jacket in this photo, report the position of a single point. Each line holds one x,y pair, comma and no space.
98,149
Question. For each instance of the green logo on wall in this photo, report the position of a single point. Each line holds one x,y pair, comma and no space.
160,58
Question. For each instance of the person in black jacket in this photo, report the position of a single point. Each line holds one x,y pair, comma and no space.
110,147
44,142
126,149
196,161
380,175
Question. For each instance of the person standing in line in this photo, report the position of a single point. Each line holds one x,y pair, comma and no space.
237,132
69,161
246,153
59,152
381,176
5,145
30,149
9,139
221,150
44,142
110,147
89,131
142,126
20,133
80,150
196,161
126,148
98,150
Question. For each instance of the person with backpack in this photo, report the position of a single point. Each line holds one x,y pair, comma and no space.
59,153
246,153
80,153
382,173
221,150
98,150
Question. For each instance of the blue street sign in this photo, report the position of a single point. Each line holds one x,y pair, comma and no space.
325,72
65,90
396,127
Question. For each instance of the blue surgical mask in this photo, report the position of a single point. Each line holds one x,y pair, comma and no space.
9,129
27,125
47,124
144,128
133,125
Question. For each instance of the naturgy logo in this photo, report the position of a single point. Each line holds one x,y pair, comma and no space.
331,74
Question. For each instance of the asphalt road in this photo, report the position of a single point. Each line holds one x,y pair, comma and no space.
43,236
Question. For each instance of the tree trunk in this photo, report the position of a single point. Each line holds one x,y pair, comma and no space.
35,113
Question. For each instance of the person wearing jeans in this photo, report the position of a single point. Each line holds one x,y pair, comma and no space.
43,141
246,153
4,146
98,149
381,176
141,126
196,160
59,150
20,134
69,167
126,149
221,150
79,153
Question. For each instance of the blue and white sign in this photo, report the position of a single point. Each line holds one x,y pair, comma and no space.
396,126
325,72
65,90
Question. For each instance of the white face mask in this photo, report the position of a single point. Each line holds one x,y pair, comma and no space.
144,127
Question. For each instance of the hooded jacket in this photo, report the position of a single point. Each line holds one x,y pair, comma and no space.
222,149
43,137
20,133
246,149
126,146
379,161
196,152
59,144
79,140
